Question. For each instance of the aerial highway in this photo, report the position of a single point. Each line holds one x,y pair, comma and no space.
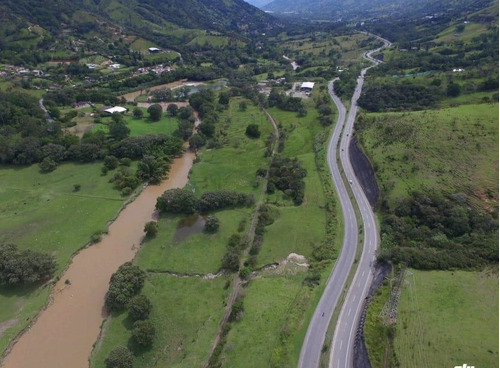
316,332
341,353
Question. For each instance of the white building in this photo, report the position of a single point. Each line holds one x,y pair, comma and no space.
116,109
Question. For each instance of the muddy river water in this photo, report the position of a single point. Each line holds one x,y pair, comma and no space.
63,335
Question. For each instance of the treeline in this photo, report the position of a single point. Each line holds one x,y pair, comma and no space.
398,96
433,231
186,202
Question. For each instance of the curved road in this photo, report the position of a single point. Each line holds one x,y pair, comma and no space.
316,332
341,354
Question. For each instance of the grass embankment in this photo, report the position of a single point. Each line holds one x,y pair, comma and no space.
43,213
452,150
444,319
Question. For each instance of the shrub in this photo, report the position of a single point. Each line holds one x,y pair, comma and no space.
47,165
77,187
155,112
110,162
151,228
144,333
211,224
138,113
119,357
252,131
139,307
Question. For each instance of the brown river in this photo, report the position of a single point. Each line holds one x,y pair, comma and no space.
63,335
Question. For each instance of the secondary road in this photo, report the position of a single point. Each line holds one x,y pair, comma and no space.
341,354
316,332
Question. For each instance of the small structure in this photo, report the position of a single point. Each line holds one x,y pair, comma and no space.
307,86
115,66
116,109
154,50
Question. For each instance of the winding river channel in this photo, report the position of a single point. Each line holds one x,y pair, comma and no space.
63,334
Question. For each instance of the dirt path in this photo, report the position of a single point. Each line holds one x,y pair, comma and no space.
237,281
131,96
64,332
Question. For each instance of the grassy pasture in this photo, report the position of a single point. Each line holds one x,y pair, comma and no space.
448,318
199,253
186,314
452,149
251,341
234,165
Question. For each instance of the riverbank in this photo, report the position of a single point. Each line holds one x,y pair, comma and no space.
64,333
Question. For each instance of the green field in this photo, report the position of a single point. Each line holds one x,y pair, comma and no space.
305,224
447,319
186,313
198,253
234,165
166,125
267,302
41,212
453,149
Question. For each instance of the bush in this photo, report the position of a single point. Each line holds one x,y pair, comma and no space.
125,161
138,113
139,307
119,357
47,165
252,131
144,333
151,228
77,187
24,267
124,284
110,162
155,112
177,201
211,224
211,201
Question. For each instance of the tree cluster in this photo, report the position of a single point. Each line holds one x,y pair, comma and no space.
24,267
125,283
285,102
433,231
287,175
397,96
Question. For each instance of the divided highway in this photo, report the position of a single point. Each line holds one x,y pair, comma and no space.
345,332
341,353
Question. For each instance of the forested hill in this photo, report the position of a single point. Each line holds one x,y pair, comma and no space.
367,9
146,17
235,15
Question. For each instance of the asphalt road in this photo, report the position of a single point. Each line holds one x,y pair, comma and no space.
346,326
315,336
341,354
